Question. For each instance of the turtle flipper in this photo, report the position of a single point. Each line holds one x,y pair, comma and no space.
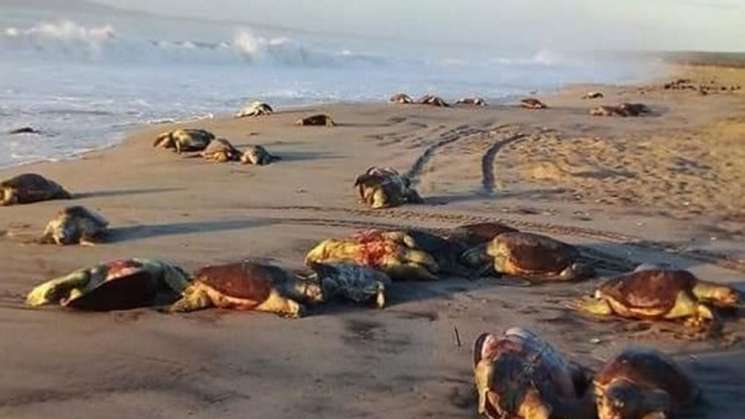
9,197
57,289
596,306
533,406
194,298
281,306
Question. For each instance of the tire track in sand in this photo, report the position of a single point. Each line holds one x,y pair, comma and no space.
487,161
404,218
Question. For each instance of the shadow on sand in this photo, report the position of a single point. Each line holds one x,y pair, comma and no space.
139,232
124,192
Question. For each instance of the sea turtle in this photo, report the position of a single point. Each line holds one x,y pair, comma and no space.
116,285
622,110
28,188
390,252
593,95
316,120
401,99
480,233
519,375
220,150
658,293
385,187
532,103
256,154
184,139
433,101
530,256
249,286
642,383
75,225
255,109
359,284
471,101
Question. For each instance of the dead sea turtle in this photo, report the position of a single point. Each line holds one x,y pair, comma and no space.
471,101
476,234
401,99
359,284
444,250
660,294
220,150
249,286
532,103
28,188
593,95
256,154
519,375
184,140
622,110
116,285
255,109
75,225
316,120
385,187
389,252
433,101
530,256
642,384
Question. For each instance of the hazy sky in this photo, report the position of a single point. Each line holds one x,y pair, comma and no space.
573,24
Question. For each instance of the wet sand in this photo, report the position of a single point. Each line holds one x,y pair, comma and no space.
669,187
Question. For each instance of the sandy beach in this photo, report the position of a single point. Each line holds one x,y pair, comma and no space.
663,188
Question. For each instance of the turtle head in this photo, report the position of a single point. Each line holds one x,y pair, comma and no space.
620,400
8,196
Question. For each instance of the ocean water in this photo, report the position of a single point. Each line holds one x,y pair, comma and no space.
84,76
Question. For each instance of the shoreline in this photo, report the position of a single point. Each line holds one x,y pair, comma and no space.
615,187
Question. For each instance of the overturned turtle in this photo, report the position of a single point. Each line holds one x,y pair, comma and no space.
471,235
249,286
593,95
656,294
28,188
359,284
642,384
530,256
532,103
401,99
385,187
116,285
75,225
184,140
519,375
471,101
256,154
432,100
319,120
391,252
255,109
623,110
220,150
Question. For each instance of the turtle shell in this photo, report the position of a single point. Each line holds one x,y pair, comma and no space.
649,369
480,233
79,211
654,290
533,253
31,187
246,280
119,285
521,360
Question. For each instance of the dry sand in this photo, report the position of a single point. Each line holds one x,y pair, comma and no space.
665,188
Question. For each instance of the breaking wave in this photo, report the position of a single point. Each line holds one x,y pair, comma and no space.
67,39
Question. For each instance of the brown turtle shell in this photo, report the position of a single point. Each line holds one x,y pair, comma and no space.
534,252
648,289
126,285
532,103
649,369
480,233
31,187
522,360
316,120
246,280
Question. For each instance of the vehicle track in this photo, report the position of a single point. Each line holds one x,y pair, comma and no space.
487,161
408,218
447,137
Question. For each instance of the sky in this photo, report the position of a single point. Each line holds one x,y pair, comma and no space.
717,25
